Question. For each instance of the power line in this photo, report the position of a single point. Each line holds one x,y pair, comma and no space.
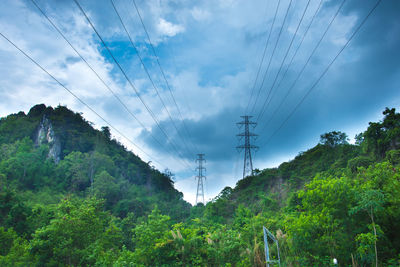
129,81
295,53
270,59
161,69
148,75
236,168
97,75
263,56
186,102
325,71
299,45
79,99
283,60
305,65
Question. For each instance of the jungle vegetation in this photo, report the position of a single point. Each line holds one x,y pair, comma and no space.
100,205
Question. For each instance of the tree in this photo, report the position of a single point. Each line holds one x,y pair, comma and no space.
78,170
149,238
105,186
14,212
334,138
106,132
14,250
318,230
359,138
80,234
370,201
167,172
383,136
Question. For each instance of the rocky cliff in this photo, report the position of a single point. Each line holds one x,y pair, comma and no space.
45,135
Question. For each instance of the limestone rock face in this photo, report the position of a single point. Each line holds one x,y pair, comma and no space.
46,135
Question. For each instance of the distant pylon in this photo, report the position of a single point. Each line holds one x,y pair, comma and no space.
248,136
200,177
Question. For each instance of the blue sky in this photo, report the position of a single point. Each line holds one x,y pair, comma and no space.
210,52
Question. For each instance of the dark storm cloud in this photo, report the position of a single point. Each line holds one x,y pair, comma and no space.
213,135
357,87
210,51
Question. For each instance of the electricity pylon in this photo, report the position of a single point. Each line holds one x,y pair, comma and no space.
247,146
200,177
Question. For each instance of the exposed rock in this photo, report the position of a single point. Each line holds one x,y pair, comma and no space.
46,135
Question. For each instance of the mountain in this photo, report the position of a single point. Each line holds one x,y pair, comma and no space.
335,200
58,151
276,185
71,195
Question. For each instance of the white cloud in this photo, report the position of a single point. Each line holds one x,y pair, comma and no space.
227,3
200,14
169,29
215,44
343,25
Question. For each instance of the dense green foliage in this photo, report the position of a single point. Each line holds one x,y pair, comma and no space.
100,205
88,163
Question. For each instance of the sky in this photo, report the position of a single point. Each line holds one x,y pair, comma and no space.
184,86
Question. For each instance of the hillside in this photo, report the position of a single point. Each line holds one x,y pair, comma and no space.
280,183
55,152
335,200
71,196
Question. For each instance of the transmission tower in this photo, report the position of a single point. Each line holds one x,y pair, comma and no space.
200,177
248,136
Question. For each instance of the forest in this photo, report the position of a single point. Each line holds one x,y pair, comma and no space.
71,195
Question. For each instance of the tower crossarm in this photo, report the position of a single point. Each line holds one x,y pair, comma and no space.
247,134
247,146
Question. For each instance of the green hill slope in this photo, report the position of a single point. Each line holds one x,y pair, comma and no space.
56,151
335,200
71,196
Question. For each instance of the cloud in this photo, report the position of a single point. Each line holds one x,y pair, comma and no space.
210,53
23,84
200,14
169,29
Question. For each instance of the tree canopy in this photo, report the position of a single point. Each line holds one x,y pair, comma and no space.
100,205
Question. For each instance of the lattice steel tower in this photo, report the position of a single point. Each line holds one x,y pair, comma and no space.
247,146
200,177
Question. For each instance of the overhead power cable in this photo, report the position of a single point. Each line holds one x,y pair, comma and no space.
265,104
186,101
92,69
161,69
325,71
149,76
77,98
295,53
263,56
270,59
130,83
306,64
